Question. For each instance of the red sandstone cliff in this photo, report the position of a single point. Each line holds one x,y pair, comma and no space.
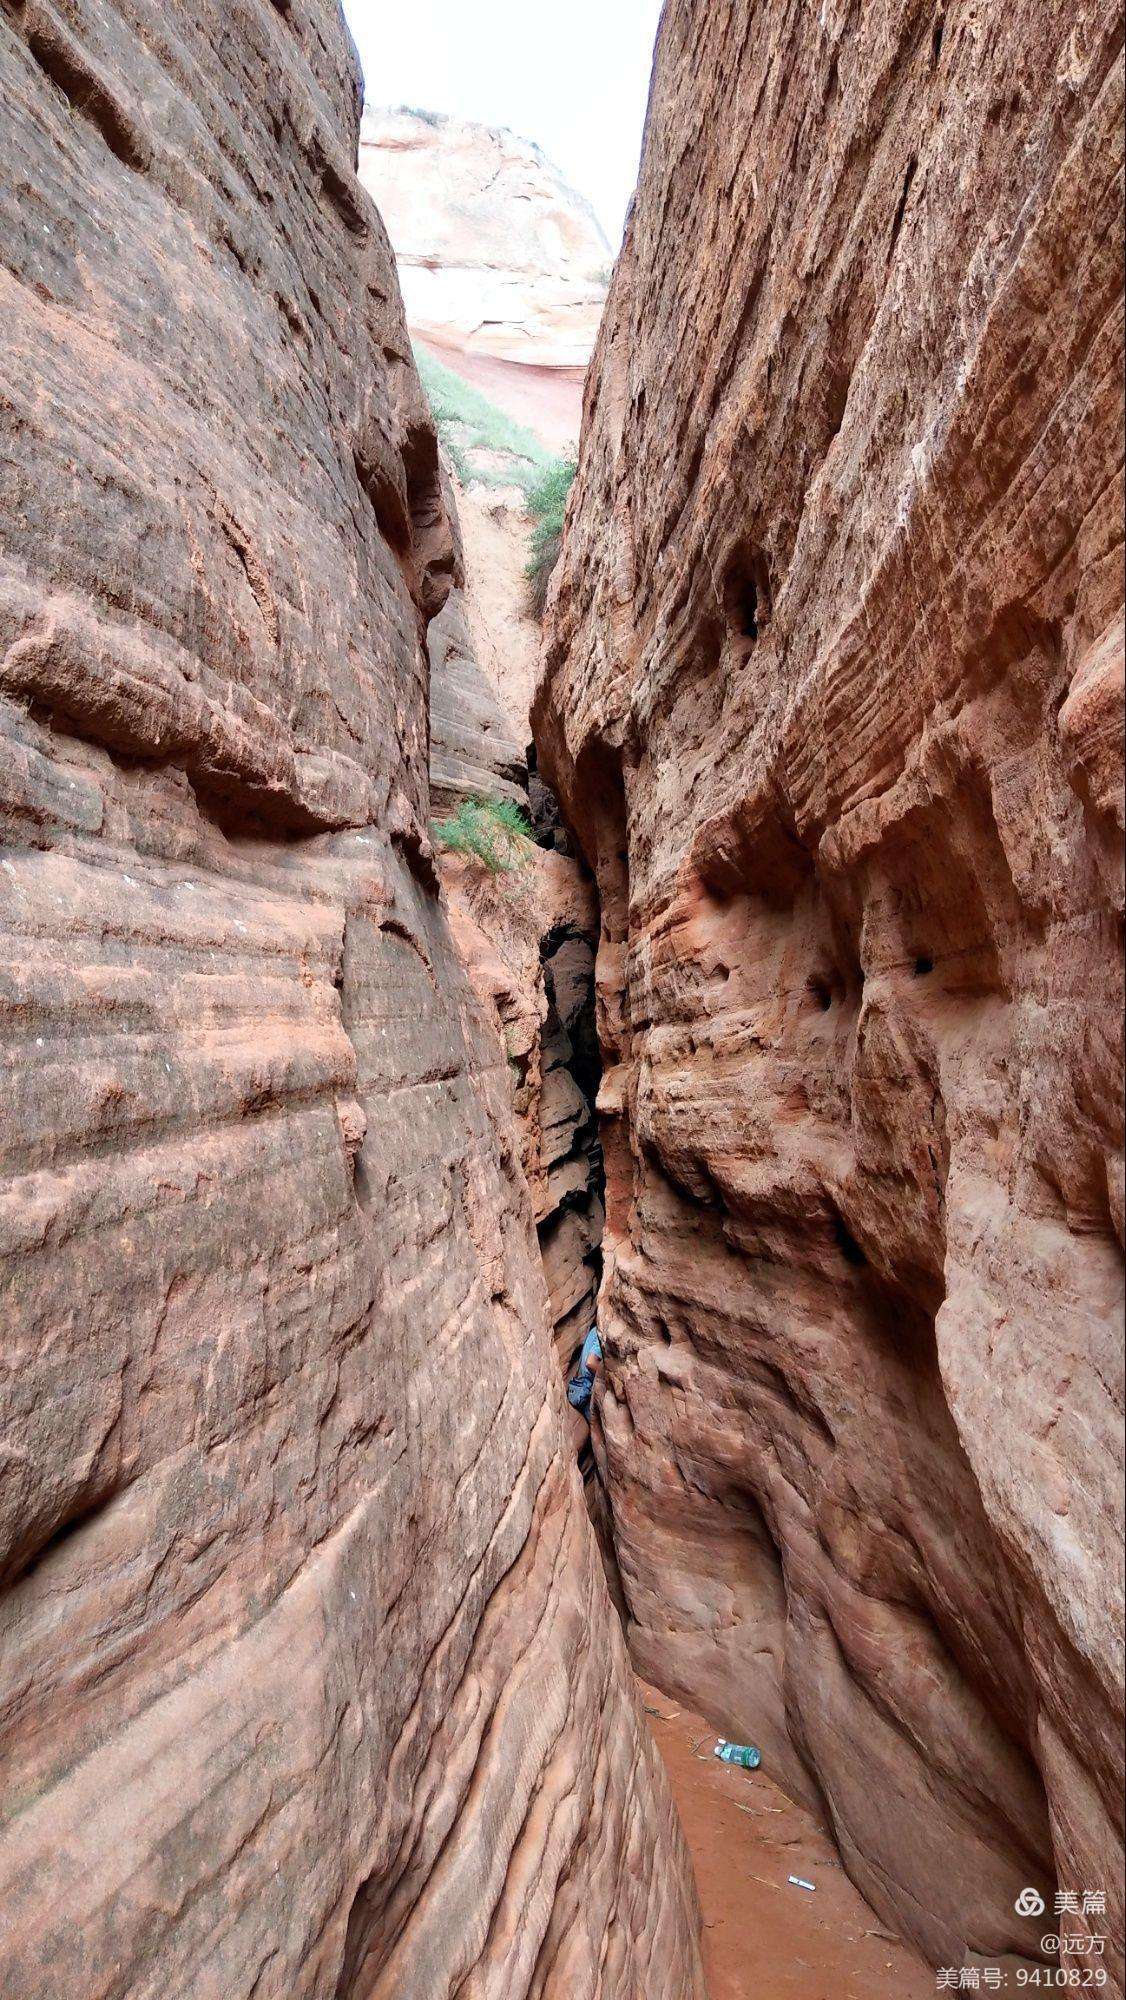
833,699
309,1683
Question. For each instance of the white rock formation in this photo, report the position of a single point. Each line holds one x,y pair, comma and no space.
498,257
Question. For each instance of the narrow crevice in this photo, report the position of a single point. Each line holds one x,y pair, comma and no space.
89,95
571,1072
543,810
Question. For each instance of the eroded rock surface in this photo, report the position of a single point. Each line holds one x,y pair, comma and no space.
309,1683
475,750
499,256
833,699
528,941
528,934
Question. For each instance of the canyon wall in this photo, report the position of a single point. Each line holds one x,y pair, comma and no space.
309,1682
832,697
527,938
527,934
477,748
504,266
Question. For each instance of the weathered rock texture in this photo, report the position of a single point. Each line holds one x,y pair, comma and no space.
498,255
528,935
833,698
528,940
475,751
309,1683
497,534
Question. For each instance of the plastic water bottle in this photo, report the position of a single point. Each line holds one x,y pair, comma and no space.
743,1754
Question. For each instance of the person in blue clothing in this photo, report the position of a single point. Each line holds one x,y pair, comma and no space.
581,1385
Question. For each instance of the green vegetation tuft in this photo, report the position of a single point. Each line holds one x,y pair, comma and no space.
467,423
495,832
547,504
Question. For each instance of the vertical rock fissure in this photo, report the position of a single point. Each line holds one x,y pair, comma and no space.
570,1234
571,1046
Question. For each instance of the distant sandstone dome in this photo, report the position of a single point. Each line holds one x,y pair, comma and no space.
498,257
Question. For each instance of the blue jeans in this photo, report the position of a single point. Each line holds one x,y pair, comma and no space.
580,1389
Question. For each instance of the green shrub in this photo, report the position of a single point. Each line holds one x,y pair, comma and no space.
467,424
547,503
461,466
494,831
548,497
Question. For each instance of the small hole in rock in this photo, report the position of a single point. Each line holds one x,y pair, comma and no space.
923,964
822,992
746,595
836,398
846,1242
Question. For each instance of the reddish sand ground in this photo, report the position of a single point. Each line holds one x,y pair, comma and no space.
547,401
763,1939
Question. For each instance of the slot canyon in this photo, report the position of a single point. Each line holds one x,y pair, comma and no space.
340,1656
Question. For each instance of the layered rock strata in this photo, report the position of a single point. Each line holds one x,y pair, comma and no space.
309,1683
833,699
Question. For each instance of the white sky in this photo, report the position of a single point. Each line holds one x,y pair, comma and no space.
574,79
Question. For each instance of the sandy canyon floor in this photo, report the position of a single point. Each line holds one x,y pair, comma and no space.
764,1939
